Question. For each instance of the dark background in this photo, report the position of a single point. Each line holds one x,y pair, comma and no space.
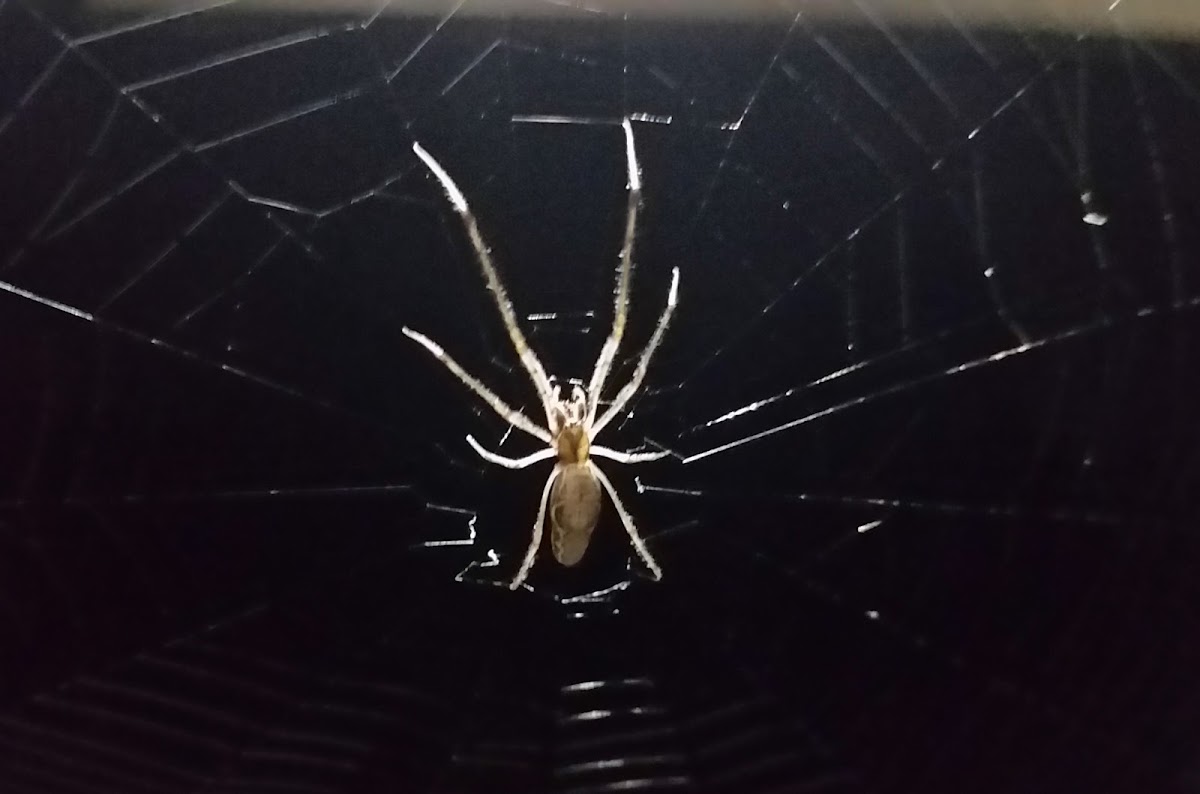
245,548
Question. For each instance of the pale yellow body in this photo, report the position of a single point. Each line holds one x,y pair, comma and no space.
574,497
574,511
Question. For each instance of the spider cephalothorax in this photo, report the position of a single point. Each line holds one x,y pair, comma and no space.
570,410
573,489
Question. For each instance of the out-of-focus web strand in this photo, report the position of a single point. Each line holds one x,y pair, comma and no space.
1061,515
190,355
912,383
735,126
896,200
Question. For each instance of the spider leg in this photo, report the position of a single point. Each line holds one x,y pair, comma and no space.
639,372
627,520
529,359
536,540
627,457
624,267
510,415
510,463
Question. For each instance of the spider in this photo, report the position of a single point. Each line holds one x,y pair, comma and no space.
573,488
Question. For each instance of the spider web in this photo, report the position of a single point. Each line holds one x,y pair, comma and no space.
931,520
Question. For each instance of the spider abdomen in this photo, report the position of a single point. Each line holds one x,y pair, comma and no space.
574,511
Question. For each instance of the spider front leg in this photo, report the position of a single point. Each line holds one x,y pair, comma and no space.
529,360
624,267
639,372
